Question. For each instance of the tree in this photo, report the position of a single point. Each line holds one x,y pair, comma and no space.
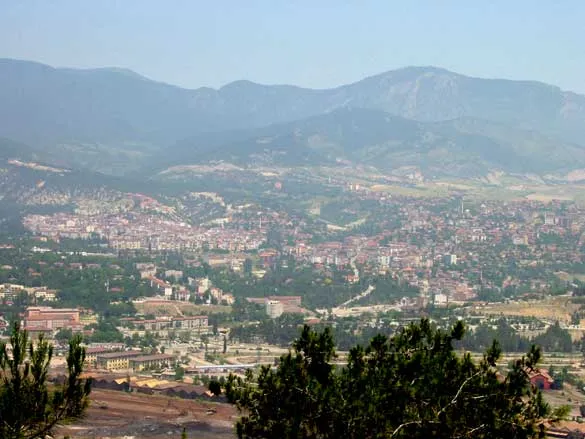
179,373
215,387
64,334
29,407
184,336
412,385
248,266
555,339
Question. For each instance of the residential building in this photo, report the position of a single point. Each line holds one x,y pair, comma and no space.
116,360
191,322
150,362
174,274
51,318
91,355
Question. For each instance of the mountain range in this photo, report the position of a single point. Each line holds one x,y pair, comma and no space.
118,122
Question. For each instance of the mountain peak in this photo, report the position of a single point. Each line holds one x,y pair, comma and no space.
411,72
49,108
117,71
239,84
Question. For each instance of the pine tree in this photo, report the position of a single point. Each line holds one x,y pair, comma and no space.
412,385
215,387
29,406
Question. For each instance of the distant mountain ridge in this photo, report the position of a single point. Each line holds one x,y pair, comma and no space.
462,147
116,120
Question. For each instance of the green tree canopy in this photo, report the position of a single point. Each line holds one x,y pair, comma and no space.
555,339
412,385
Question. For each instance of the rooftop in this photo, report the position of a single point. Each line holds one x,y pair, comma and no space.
145,358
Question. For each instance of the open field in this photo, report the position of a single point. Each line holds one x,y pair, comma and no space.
115,414
568,396
411,191
552,308
176,308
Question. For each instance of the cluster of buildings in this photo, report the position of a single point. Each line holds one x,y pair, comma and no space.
447,250
452,253
174,286
144,231
198,324
10,292
136,361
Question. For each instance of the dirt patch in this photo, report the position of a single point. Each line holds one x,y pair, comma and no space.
552,308
569,396
177,309
115,414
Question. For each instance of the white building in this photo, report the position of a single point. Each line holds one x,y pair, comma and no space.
274,308
174,274
440,299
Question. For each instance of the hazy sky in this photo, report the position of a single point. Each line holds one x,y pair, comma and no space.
314,43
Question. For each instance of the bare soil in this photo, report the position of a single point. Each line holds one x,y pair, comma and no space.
115,414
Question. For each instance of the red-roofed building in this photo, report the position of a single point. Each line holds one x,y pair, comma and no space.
52,318
541,379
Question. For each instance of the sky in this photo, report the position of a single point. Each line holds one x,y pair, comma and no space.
310,43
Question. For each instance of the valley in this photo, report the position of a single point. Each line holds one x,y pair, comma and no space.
189,235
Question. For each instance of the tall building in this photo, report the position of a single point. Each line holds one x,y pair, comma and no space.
274,308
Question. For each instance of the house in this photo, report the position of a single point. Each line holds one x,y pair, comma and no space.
147,270
227,299
161,286
203,284
174,274
183,295
541,379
